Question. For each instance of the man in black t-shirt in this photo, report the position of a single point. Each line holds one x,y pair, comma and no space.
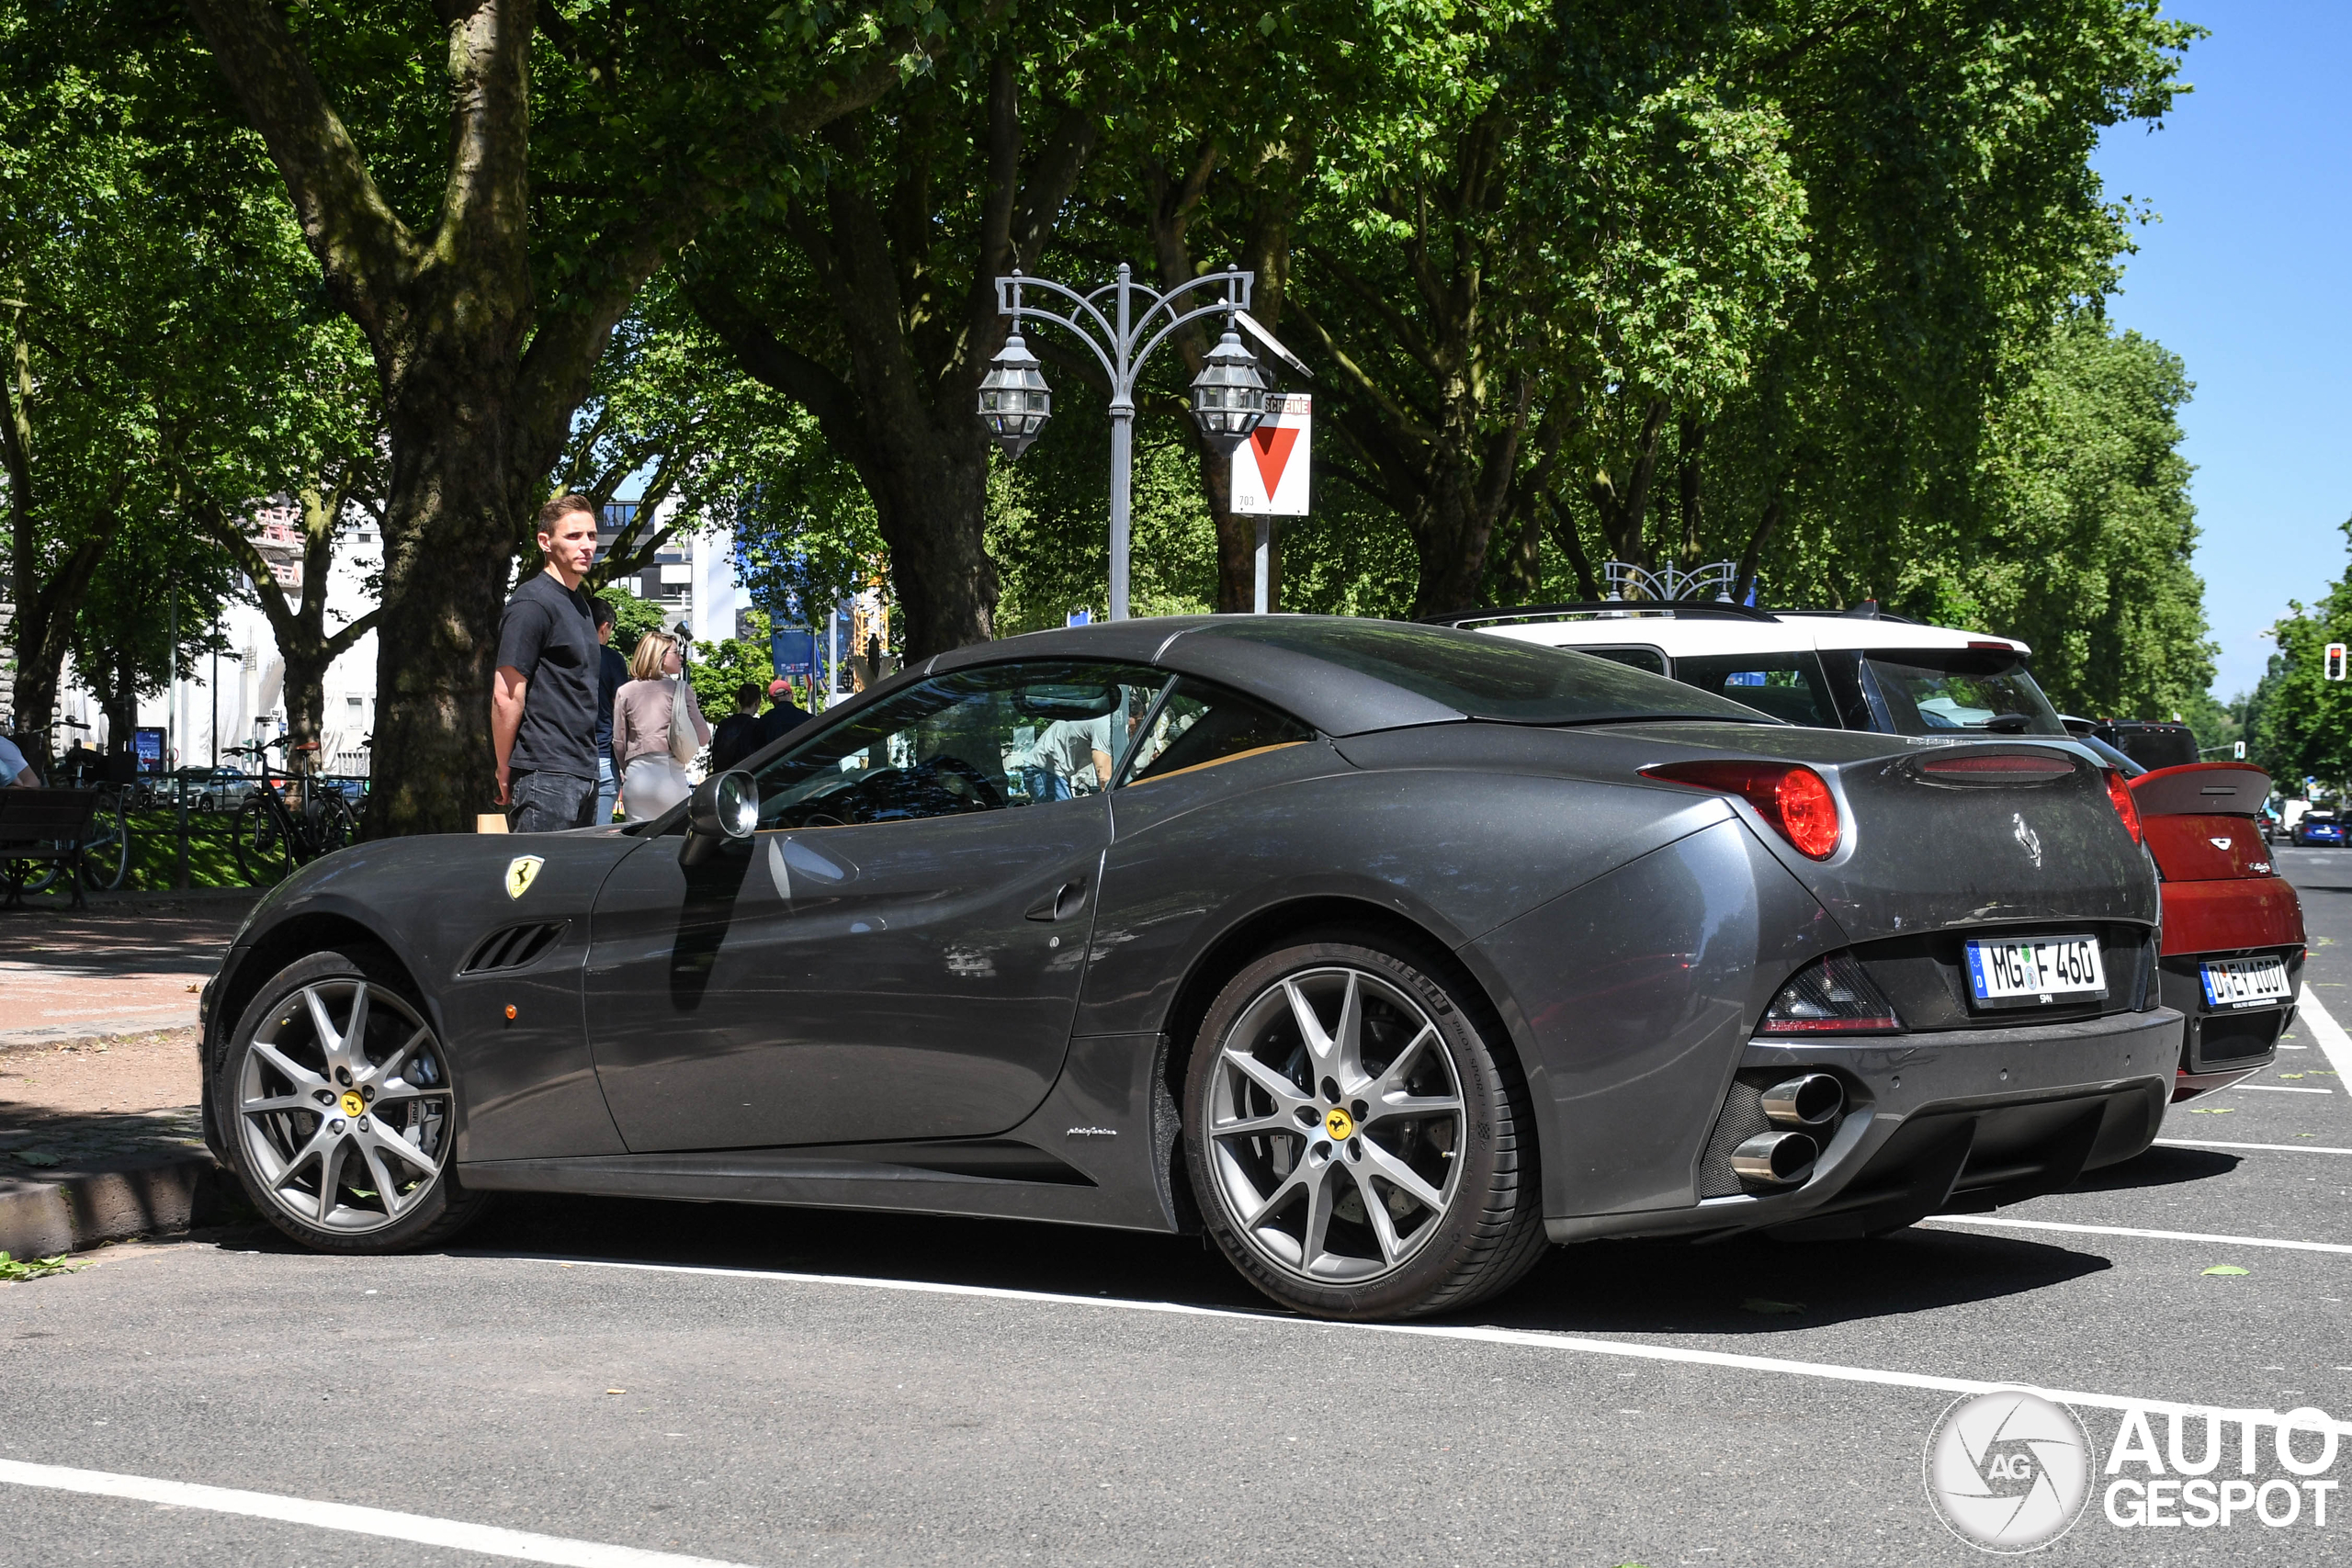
544,699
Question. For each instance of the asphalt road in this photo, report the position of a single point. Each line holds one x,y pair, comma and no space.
769,1387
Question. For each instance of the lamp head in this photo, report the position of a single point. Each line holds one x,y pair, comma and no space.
1014,402
1229,394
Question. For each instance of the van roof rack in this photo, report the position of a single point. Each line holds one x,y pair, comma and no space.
1611,609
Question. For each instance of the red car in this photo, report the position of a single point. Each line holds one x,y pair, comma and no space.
2232,950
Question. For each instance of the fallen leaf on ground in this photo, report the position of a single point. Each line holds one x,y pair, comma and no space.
2225,1268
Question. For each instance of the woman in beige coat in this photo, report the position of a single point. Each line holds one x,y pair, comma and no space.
652,779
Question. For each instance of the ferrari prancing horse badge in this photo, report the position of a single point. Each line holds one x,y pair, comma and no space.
519,874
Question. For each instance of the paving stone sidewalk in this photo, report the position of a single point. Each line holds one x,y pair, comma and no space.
113,969
99,1130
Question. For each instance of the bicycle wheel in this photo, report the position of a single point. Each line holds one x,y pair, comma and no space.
264,852
333,828
106,853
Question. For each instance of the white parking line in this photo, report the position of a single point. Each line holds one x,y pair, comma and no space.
2328,1033
490,1540
2276,1088
2273,1148
1974,1220
1518,1339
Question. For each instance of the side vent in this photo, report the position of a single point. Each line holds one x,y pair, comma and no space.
513,947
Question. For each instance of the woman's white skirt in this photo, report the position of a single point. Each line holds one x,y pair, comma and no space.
652,785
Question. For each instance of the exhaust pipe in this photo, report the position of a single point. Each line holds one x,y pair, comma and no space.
1809,1099
1775,1159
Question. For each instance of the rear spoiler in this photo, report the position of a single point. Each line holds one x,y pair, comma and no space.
2202,789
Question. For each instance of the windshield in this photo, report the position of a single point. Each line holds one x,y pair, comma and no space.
2110,756
1491,677
1935,693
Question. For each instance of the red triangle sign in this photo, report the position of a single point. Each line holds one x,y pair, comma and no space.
1272,447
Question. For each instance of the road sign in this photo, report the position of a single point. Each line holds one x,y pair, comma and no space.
1270,469
2335,670
2240,752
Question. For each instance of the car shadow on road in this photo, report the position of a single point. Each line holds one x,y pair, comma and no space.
1751,1285
1744,1286
2159,1167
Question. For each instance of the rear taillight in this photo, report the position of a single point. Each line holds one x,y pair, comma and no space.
2120,791
1832,995
1791,797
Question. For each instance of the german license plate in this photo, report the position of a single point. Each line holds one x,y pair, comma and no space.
2018,972
2245,982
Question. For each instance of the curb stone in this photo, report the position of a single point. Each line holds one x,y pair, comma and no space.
71,1210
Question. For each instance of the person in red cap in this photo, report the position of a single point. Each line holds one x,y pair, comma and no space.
783,714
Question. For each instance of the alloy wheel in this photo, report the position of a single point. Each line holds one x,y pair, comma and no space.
1336,1119
343,1107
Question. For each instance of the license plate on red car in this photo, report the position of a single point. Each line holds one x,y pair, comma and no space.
2039,971
2245,982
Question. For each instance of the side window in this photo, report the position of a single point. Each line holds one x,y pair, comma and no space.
1633,655
1787,685
1199,724
998,738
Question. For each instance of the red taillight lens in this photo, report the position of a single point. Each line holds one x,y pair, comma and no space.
2120,791
1791,797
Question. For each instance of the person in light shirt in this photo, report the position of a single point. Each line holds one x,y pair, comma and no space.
15,772
1066,751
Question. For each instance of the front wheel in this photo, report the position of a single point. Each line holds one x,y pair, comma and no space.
340,1112
1358,1149
105,854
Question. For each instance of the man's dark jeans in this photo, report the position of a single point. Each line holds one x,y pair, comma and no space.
547,803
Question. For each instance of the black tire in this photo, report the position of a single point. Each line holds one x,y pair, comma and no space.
105,857
420,1209
263,855
1414,1258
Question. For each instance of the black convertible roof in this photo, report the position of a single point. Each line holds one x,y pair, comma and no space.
1348,675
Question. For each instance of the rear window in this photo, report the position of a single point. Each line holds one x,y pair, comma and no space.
1936,693
1490,677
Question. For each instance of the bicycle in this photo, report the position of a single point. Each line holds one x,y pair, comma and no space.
106,853
289,819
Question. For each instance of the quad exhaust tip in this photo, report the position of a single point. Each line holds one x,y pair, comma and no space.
1810,1100
1776,1159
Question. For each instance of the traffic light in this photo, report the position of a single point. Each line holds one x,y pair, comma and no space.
2334,669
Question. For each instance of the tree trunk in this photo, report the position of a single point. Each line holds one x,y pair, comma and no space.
480,365
451,516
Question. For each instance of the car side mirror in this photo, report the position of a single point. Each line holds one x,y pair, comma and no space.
725,809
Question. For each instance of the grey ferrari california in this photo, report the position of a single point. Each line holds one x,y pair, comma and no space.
1386,954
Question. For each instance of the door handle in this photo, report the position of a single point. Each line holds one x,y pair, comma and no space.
1061,904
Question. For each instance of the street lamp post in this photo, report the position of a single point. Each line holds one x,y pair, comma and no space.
1229,395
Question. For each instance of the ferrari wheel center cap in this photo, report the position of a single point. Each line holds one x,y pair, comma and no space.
352,1104
1339,1125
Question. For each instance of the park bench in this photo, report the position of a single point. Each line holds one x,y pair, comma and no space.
43,825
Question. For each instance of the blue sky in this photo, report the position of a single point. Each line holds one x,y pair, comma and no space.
2249,279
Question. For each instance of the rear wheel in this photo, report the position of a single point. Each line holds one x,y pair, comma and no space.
340,1111
1358,1147
263,853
